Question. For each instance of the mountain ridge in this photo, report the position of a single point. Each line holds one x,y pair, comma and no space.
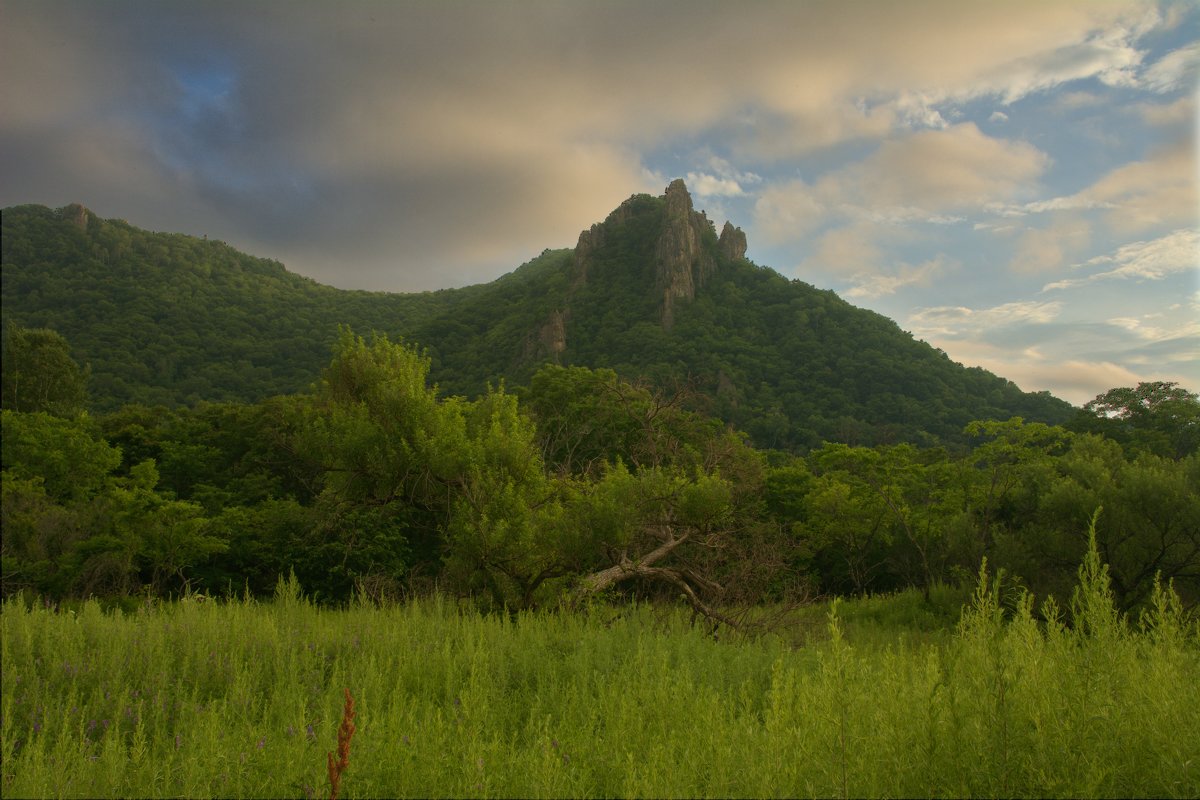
653,292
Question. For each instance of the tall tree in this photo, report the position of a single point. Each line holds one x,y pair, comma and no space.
1159,417
39,373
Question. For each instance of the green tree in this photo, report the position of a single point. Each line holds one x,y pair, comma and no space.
1158,417
39,373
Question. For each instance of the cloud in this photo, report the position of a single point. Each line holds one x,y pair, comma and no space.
1044,249
1157,191
853,249
1156,332
1176,69
952,321
998,116
1179,112
788,211
410,146
924,176
939,170
871,285
1176,252
705,185
1142,195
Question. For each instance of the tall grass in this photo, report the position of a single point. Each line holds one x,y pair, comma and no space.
245,699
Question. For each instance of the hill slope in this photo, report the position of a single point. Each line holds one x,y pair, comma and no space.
653,292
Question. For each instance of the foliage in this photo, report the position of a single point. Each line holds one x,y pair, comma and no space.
39,373
1159,417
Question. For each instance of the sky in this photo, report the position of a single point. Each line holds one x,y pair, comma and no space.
1015,183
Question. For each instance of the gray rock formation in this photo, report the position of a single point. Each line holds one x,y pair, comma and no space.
732,243
681,263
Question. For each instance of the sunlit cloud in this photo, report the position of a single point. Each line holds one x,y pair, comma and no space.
1176,252
1177,68
960,320
870,285
1041,250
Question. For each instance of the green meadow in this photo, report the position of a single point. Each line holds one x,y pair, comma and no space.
242,698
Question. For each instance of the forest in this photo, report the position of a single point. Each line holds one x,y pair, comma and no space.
174,320
577,484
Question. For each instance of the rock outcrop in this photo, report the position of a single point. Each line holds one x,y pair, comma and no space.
682,264
732,243
684,256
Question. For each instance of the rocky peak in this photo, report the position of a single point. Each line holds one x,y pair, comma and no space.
732,242
681,262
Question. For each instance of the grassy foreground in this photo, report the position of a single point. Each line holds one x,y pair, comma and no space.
243,699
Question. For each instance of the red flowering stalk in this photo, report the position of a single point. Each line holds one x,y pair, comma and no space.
345,732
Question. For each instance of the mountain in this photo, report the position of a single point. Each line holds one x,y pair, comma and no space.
652,292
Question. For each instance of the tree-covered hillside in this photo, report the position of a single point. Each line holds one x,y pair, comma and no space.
651,293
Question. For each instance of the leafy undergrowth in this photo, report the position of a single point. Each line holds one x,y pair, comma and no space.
244,699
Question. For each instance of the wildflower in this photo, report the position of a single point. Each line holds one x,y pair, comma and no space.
312,734
37,727
262,743
291,730
178,741
404,739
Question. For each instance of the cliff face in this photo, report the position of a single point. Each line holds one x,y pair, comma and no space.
682,263
682,255
732,243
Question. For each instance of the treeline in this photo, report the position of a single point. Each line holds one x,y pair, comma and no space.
576,484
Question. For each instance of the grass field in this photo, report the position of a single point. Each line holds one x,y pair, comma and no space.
244,699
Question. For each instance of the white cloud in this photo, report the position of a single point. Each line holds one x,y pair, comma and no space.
786,212
960,320
853,249
1043,249
998,116
1178,251
1156,191
1156,332
1139,196
871,285
1177,68
925,177
705,185
1181,111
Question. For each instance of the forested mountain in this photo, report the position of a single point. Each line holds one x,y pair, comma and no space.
652,292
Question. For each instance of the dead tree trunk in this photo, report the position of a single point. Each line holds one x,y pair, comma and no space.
626,569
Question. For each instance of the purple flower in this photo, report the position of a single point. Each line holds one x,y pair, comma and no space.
312,735
262,743
178,741
37,727
291,730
